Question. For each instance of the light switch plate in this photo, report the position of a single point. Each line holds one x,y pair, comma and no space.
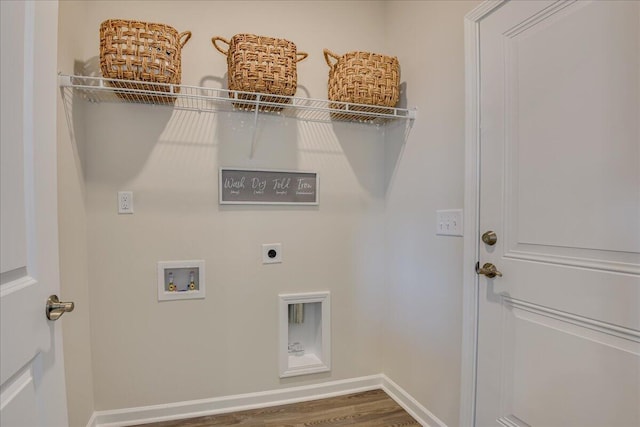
449,222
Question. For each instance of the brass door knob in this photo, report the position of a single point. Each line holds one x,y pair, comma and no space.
488,270
56,308
490,238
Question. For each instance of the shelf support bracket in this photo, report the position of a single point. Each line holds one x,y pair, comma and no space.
255,126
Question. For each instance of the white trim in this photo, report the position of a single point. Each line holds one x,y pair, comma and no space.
471,210
239,402
243,402
483,10
536,19
593,264
93,420
512,421
17,285
575,319
320,362
409,404
16,387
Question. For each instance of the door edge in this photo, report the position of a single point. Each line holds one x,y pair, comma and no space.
471,210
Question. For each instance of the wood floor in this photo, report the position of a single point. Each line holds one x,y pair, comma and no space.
371,408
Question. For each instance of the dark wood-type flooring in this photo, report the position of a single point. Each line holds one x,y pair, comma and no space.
371,408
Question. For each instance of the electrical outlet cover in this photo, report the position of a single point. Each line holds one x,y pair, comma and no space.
271,253
125,202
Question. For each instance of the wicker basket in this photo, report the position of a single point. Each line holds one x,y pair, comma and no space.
261,64
363,78
143,52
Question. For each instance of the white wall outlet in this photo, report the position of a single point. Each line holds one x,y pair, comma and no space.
449,222
271,253
125,202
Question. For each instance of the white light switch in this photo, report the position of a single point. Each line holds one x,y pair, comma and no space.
449,222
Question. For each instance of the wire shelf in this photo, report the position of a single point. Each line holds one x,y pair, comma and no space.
205,99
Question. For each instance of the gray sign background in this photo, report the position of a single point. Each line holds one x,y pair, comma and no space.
247,186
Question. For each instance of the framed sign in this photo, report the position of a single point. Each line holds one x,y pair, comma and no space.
271,187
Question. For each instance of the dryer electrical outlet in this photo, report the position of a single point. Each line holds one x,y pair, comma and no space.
271,253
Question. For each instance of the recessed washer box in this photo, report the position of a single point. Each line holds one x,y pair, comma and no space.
180,280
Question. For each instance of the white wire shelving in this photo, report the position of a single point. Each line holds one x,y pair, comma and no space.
206,99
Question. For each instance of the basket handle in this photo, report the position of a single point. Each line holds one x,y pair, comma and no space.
327,54
301,56
223,40
186,35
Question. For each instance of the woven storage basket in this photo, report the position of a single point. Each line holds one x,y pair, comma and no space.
363,78
144,52
261,64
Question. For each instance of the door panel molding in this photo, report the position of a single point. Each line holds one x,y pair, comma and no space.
577,325
13,306
538,18
16,285
15,400
573,261
600,241
568,347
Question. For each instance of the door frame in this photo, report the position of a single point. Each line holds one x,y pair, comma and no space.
471,242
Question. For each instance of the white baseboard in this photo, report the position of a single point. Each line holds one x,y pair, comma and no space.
243,402
92,421
409,404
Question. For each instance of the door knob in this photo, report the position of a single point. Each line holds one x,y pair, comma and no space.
56,308
488,270
490,238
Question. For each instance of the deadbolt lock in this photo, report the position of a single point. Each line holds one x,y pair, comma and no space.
490,238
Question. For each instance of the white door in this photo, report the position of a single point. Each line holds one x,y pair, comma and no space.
32,389
559,332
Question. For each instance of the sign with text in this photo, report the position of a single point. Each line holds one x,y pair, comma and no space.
246,186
